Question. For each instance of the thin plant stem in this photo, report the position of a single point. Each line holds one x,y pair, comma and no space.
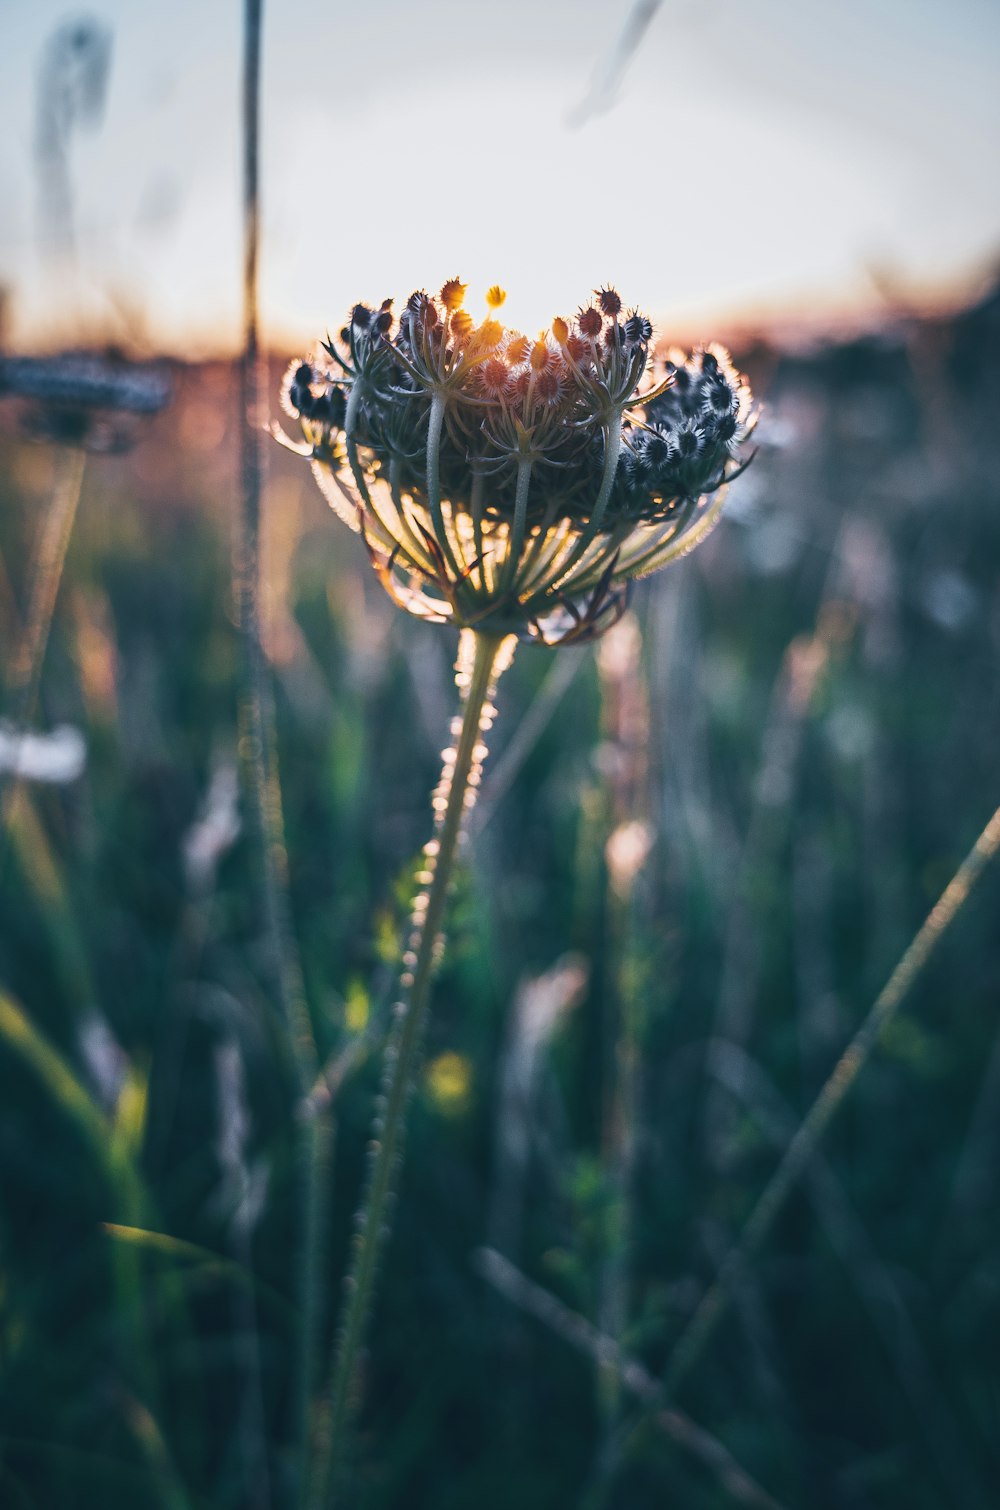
525,738
481,659
318,1133
610,1355
803,1144
625,726
747,1082
26,671
257,743
435,427
146,1431
258,755
545,585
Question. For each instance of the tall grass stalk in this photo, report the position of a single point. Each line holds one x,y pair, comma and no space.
481,659
746,1081
850,1064
803,672
625,727
124,1183
258,754
610,1355
257,744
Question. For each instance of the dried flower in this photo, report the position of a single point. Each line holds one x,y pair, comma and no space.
514,486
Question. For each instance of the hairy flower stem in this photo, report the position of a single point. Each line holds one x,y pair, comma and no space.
481,659
316,1155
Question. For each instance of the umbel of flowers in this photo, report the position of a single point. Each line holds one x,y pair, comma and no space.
513,488
515,485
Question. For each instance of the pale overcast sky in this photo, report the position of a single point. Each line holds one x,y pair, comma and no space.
757,156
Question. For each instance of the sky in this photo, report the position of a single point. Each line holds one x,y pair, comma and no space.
782,159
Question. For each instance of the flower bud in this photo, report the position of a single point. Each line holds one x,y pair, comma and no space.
453,294
590,323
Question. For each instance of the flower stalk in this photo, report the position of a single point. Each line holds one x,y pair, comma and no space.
512,488
482,657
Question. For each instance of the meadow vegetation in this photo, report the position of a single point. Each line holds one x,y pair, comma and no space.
701,846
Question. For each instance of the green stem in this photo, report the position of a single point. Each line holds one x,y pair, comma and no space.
416,551
612,452
454,798
515,539
257,741
435,426
258,751
26,671
318,1135
354,398
476,510
803,1144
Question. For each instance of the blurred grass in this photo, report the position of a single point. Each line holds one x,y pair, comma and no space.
823,721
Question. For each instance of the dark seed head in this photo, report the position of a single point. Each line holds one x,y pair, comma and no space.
453,294
590,323
610,302
637,328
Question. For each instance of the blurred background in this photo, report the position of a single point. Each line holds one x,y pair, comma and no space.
702,844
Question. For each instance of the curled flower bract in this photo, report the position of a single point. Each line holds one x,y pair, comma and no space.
515,485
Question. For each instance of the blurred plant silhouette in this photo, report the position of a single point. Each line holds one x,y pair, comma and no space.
72,85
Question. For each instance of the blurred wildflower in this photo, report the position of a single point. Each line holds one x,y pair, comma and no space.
105,1059
625,853
81,403
78,399
72,87
241,1192
57,757
215,830
516,486
357,1007
449,1081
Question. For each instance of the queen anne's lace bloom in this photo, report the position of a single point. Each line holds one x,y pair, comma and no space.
510,485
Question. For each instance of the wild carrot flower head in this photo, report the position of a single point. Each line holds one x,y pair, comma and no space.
511,484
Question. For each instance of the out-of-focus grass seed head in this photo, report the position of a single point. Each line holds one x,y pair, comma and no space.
517,485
